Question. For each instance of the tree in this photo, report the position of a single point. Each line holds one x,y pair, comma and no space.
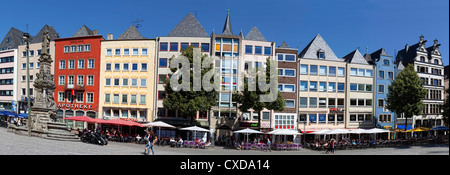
406,94
251,99
445,110
189,102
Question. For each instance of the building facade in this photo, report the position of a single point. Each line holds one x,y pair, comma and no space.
8,73
127,77
77,74
34,64
360,75
430,68
188,32
287,83
385,69
322,87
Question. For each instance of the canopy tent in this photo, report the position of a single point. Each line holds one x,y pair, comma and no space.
248,131
338,131
440,128
418,129
158,124
320,132
195,129
81,119
285,132
24,115
122,122
376,130
358,131
9,114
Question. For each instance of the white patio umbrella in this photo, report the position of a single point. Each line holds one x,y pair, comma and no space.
337,131
195,129
159,124
375,131
284,132
320,132
248,131
358,131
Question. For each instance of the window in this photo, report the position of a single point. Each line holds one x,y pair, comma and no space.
80,97
184,46
87,47
89,97
322,102
331,102
332,71
143,82
380,103
107,81
173,46
353,71
163,62
290,103
125,67
313,86
66,49
73,48
61,80
313,118
163,46
289,72
289,88
385,62
381,88
108,66
303,102
341,87
265,116
361,72
116,82
143,66
353,87
80,64
322,86
133,82
267,50
258,50
369,73
303,85
70,79
321,54
80,48
248,49
71,64
331,87
90,80
313,69
135,51
361,87
368,88
116,66
62,64
205,47
141,99
108,52
289,57
126,51
322,118
390,75
313,102
117,52
133,99
125,98
80,80
381,74
144,51
134,66
125,82
161,95
303,69
60,96
91,63
162,78
323,70
116,98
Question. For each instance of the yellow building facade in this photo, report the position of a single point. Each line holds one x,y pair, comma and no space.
127,82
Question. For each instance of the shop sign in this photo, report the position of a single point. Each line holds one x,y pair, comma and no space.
245,124
74,106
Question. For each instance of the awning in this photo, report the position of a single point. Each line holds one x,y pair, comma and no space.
408,127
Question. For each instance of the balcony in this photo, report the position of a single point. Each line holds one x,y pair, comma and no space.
73,87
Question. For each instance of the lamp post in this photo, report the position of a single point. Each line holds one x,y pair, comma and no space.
26,36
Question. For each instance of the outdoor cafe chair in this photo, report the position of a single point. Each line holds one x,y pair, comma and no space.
185,144
191,144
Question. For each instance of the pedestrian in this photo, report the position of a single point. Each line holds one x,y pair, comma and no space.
268,145
332,145
153,143
147,146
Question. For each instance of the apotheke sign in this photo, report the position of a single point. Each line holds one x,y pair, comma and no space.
74,106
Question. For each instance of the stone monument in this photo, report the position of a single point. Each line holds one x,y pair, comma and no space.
43,111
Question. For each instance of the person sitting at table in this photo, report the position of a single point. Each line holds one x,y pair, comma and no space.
180,142
208,144
172,142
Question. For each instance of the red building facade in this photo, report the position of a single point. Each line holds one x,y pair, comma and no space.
77,73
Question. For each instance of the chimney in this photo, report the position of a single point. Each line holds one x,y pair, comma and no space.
109,36
95,32
406,48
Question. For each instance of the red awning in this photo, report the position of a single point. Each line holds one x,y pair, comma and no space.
81,119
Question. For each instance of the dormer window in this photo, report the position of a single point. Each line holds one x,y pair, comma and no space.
436,62
422,59
321,54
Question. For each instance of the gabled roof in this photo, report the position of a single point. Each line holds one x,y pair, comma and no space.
316,45
284,45
375,56
12,39
131,33
227,30
355,57
51,33
255,35
83,31
410,52
188,27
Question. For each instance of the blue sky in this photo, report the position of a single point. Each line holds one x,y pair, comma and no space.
345,24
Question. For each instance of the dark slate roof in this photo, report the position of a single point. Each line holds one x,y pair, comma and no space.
131,33
188,27
83,31
12,39
51,33
318,43
376,55
355,57
407,55
284,45
227,30
255,35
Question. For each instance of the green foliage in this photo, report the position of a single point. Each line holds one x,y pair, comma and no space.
189,102
445,109
251,99
406,93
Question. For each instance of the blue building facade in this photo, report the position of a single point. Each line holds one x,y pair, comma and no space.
386,71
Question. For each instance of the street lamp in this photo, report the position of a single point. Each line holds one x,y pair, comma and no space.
26,37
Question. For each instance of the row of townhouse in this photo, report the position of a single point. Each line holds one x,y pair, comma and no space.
125,77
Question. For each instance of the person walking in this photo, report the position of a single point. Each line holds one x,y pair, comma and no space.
153,143
268,145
